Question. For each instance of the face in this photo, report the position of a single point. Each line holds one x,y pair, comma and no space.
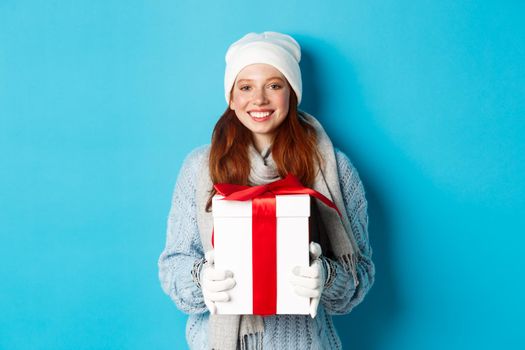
260,99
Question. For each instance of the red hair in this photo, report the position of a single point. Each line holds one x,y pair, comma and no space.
294,149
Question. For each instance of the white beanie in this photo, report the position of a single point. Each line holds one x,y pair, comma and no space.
276,49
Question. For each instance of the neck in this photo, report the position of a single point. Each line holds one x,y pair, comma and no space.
262,142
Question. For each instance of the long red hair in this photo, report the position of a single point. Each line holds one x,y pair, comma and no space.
294,149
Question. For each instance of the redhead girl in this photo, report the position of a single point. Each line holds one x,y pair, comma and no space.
261,137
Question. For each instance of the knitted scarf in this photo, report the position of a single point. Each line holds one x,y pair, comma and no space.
229,332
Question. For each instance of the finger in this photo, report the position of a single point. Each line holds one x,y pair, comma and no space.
315,250
212,274
311,271
314,303
218,296
220,286
311,283
307,292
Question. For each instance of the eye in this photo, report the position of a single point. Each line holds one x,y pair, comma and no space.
275,86
244,88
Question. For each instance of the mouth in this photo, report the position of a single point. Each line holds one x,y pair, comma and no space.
260,116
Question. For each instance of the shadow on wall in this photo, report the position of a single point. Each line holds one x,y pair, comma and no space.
363,328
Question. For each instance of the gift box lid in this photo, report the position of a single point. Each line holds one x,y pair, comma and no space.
291,205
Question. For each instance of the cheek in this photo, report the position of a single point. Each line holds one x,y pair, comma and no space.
284,103
284,100
239,101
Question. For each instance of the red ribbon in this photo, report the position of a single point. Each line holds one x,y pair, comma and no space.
264,233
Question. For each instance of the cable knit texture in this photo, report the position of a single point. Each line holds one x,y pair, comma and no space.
183,248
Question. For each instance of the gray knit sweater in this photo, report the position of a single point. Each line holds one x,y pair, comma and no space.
183,248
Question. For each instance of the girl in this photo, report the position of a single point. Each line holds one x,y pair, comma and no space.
260,138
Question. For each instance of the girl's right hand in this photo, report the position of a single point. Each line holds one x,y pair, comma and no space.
215,283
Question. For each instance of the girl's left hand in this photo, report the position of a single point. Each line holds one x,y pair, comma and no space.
309,281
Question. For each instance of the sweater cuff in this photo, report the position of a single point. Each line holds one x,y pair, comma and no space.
330,272
196,271
338,282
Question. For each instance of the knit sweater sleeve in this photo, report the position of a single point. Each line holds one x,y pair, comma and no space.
342,295
183,246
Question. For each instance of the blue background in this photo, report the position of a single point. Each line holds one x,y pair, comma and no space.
101,100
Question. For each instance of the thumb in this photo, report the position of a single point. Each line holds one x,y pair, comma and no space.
210,256
315,250
314,303
211,306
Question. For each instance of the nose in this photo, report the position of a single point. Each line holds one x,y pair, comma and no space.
259,97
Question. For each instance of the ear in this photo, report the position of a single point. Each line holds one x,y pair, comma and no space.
232,105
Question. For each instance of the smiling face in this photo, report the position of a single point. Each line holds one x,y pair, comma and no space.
260,99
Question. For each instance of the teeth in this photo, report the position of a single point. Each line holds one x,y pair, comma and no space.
259,114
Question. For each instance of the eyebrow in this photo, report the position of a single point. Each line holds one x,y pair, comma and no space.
272,78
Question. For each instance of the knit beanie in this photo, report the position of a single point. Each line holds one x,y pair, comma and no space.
276,49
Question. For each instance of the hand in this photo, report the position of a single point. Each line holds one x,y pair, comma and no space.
215,283
309,281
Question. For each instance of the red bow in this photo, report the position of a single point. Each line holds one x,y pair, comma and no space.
289,185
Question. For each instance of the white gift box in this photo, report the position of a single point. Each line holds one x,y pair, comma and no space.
232,221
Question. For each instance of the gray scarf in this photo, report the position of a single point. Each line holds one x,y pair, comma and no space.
229,332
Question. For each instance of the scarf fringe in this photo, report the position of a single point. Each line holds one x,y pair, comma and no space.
258,340
349,262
